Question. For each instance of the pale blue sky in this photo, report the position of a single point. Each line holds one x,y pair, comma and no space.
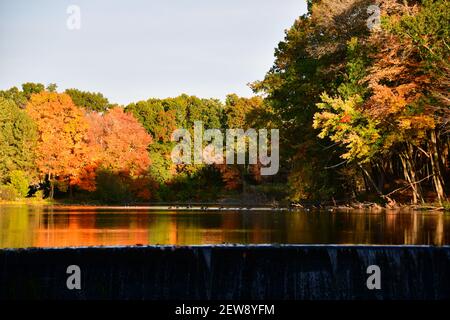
135,49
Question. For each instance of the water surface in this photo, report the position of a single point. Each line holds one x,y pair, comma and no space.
56,226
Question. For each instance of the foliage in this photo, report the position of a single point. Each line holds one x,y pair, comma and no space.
112,187
162,168
8,193
18,137
38,195
31,88
311,60
379,97
118,144
400,97
52,87
120,141
15,95
238,110
160,117
342,119
202,185
20,182
62,147
159,122
363,114
88,100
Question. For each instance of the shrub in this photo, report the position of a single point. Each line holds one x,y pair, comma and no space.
446,205
8,193
19,181
112,188
39,195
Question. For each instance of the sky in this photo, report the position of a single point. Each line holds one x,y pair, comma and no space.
135,49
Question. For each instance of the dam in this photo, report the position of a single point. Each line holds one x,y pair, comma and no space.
260,272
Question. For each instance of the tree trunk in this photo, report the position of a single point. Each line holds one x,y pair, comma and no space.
410,175
371,181
438,180
70,191
52,186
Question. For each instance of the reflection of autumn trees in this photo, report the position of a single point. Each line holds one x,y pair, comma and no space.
92,229
60,226
15,228
439,234
366,228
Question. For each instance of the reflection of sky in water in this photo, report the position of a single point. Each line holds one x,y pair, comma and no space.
22,226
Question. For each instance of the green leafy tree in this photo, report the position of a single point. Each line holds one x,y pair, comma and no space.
18,137
310,60
160,117
30,88
15,95
20,182
88,100
52,87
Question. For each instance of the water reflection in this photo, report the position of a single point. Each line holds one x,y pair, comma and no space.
23,226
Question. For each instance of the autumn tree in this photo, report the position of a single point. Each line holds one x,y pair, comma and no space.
119,159
238,110
62,131
409,80
392,107
310,61
121,141
244,113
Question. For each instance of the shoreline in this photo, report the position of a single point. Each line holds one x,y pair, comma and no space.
241,207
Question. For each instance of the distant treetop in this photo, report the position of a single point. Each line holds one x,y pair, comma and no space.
89,100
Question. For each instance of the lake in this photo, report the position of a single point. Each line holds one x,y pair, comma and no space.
24,226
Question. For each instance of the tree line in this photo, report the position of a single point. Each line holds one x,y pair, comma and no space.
363,114
78,145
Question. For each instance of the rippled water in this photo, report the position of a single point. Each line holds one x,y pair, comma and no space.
27,226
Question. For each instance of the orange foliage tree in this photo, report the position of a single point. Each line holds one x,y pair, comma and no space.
409,83
118,143
62,148
120,140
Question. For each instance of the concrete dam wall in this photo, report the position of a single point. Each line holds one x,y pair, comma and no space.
227,272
